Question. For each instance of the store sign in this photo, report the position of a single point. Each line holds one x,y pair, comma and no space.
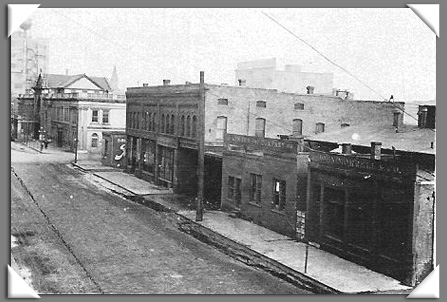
350,162
167,141
261,143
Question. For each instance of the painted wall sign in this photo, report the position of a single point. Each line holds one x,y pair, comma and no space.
261,143
365,164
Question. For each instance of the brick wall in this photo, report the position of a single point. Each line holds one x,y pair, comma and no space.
241,111
283,168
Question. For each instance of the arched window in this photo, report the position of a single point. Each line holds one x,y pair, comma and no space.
168,124
162,126
172,124
182,126
194,126
261,104
221,128
94,140
297,129
149,122
319,127
260,127
188,126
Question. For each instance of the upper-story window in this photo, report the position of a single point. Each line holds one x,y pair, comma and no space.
194,126
319,127
105,117
298,106
182,126
95,114
162,126
260,127
221,127
222,101
188,126
297,127
261,104
172,130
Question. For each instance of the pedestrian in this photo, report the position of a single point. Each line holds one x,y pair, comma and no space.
46,144
41,145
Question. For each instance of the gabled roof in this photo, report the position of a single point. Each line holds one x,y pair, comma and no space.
63,81
408,138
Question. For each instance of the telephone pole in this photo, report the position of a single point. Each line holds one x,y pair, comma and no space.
201,148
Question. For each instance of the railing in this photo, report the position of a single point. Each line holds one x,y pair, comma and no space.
79,95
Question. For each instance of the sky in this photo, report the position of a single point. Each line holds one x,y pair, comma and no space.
390,50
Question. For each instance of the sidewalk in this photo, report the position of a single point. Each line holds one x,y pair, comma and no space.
261,247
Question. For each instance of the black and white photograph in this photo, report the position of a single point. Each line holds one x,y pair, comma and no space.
223,151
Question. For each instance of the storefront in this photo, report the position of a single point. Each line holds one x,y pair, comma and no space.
114,149
362,209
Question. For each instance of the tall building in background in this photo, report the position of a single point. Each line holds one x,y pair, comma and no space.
29,58
264,74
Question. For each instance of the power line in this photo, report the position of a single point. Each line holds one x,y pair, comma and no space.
335,64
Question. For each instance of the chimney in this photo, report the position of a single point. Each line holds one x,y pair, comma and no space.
310,89
166,82
242,82
145,84
376,149
202,77
346,148
397,119
427,116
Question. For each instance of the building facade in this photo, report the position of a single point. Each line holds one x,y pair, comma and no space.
72,111
164,126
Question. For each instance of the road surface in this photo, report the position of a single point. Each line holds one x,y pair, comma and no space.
77,237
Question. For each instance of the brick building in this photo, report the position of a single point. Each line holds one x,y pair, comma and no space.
164,122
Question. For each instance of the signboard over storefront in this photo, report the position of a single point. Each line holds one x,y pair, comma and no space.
261,143
359,164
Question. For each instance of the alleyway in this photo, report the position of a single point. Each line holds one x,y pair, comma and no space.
77,238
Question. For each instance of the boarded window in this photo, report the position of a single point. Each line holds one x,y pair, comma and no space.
260,127
255,188
297,129
319,127
261,104
222,101
221,128
298,106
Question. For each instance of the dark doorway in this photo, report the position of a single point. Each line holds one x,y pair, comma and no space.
212,182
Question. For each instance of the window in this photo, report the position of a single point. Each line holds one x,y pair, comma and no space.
172,130
221,128
344,125
319,127
298,106
168,124
148,155
94,140
396,116
182,126
188,126
105,117
260,127
279,195
222,101
149,122
166,163
194,126
297,129
234,190
94,116
261,104
162,127
334,200
255,188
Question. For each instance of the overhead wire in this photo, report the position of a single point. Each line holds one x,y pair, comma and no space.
335,64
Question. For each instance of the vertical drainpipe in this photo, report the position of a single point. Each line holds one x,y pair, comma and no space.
201,148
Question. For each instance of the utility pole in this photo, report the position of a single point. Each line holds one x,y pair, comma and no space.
201,148
77,135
